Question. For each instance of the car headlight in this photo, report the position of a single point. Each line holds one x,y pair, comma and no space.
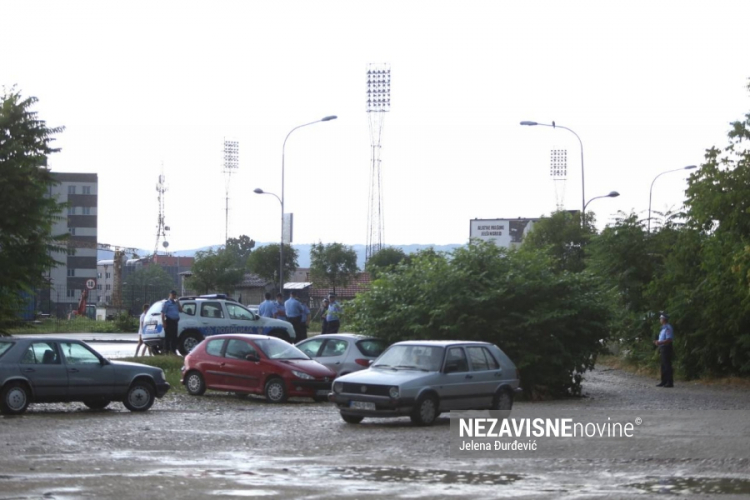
302,375
338,387
393,392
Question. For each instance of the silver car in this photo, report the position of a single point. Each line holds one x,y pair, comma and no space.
421,379
343,352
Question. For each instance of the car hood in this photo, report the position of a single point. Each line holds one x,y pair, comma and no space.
131,365
378,376
308,366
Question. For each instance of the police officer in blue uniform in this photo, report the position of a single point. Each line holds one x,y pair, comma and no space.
666,337
170,317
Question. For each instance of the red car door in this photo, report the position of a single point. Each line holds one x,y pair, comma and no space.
240,373
211,364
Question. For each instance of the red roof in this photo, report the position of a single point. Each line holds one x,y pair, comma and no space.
359,284
169,260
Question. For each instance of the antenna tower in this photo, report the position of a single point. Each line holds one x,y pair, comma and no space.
161,228
558,170
378,104
231,164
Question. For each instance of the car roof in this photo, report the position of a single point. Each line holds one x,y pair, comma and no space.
352,336
441,343
246,336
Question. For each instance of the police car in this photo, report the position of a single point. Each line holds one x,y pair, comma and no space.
207,315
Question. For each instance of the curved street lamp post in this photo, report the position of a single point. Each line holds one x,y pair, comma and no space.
612,194
650,192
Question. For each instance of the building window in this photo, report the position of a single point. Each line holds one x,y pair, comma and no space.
99,275
86,210
72,230
109,287
86,189
71,210
71,190
71,251
107,299
98,287
71,271
71,292
109,275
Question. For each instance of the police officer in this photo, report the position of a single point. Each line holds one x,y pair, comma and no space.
333,314
170,317
267,308
294,312
666,336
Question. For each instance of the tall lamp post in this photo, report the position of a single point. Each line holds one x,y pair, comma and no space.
283,154
612,194
281,242
583,184
650,191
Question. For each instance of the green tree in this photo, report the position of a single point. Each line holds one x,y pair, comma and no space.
264,262
215,271
333,265
562,237
384,260
240,247
550,323
146,285
28,212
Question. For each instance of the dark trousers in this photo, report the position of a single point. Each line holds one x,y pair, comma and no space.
296,322
302,331
666,352
332,326
325,326
170,336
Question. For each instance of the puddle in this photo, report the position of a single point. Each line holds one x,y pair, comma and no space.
398,475
245,493
695,486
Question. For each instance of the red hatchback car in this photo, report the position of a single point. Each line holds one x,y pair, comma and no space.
255,364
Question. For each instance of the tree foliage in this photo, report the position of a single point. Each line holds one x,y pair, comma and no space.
549,322
562,237
384,260
264,262
333,265
241,248
28,212
215,271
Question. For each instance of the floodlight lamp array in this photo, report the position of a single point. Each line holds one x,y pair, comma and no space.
378,88
231,155
558,164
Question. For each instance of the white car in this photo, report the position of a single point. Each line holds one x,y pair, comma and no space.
207,315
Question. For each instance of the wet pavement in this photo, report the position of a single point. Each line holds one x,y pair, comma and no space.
220,446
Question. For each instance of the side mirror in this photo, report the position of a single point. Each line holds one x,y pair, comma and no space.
252,357
451,367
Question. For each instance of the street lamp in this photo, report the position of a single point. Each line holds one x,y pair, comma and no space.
583,185
612,194
281,242
689,167
283,154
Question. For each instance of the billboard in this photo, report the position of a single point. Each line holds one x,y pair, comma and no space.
288,230
501,232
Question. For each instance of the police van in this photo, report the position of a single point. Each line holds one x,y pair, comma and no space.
206,315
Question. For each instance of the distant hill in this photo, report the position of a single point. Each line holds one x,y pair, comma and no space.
304,251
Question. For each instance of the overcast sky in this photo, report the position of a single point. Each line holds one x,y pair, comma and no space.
647,86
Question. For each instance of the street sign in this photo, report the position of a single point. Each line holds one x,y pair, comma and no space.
90,284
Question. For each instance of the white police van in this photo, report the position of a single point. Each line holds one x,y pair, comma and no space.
207,315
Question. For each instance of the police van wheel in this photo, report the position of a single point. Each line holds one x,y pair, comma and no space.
188,341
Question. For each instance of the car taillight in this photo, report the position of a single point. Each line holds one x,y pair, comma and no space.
363,362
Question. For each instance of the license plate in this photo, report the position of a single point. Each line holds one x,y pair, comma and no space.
322,392
361,405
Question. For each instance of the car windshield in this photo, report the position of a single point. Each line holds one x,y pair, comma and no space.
278,349
411,357
371,347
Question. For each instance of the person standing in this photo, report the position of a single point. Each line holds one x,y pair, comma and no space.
294,311
170,318
305,321
333,315
280,309
267,308
323,314
141,331
666,337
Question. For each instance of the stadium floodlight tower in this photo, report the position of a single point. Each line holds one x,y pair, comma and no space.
558,170
231,164
378,104
161,227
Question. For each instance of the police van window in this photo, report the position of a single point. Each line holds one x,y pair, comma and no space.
211,310
239,312
188,308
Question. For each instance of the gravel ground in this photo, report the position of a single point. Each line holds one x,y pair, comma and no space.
219,445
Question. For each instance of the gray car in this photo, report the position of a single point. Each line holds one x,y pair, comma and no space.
37,370
421,379
343,352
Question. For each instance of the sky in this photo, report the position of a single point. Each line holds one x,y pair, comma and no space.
648,86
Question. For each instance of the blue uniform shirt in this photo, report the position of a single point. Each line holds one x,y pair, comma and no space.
280,311
170,309
666,333
334,311
267,308
305,313
293,308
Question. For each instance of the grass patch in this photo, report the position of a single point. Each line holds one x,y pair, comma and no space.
77,325
172,366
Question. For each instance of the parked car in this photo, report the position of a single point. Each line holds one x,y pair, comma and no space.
343,352
207,315
255,364
421,379
37,370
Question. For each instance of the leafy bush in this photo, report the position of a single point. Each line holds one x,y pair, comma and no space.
550,324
